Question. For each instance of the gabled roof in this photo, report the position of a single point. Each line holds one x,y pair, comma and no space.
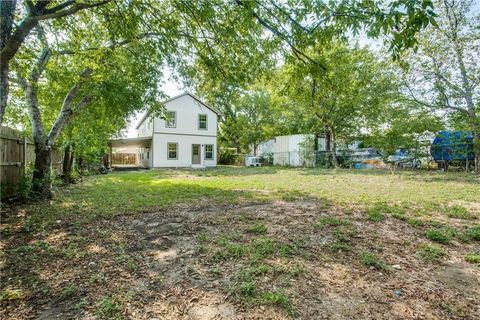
177,97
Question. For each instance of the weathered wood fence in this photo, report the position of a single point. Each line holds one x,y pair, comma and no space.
17,153
124,159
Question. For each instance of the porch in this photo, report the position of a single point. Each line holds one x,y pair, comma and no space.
130,152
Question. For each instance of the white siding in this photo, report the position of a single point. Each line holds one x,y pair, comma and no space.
184,134
184,150
146,128
187,110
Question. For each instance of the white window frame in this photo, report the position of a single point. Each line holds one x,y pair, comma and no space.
167,125
213,152
206,121
168,150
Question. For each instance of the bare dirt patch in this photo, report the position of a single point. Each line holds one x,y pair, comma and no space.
277,260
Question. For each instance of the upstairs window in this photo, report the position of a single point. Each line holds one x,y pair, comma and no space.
209,152
172,153
202,121
171,119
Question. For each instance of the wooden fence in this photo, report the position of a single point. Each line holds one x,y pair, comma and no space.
17,153
124,159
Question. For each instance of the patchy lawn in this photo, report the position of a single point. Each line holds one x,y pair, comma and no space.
247,243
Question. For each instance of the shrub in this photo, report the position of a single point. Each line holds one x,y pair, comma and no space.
227,156
431,252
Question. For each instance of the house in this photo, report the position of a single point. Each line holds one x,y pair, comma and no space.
185,137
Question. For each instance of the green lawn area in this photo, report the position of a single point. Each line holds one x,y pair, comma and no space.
267,243
129,192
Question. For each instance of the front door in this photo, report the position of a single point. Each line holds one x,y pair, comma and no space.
195,154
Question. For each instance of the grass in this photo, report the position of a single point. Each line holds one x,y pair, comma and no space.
257,228
129,192
259,259
459,212
431,252
440,235
332,221
474,233
371,260
473,258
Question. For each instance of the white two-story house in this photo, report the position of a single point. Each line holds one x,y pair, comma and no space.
187,137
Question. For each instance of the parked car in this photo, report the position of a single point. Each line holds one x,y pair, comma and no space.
404,158
253,161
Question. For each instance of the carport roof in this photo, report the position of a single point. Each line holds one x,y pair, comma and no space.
128,142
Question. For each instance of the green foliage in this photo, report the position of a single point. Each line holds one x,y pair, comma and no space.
459,212
474,232
371,260
440,235
473,258
10,294
431,252
258,228
227,156
109,308
376,214
68,291
277,298
247,289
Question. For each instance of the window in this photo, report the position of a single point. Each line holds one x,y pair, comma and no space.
172,151
202,121
171,119
209,152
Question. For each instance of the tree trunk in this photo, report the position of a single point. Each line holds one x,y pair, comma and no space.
334,148
42,172
255,147
466,85
476,145
68,157
328,142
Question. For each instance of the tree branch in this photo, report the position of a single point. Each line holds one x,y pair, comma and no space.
277,33
73,9
67,106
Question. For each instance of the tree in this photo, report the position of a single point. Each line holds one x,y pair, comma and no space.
226,39
354,90
444,74
256,119
15,28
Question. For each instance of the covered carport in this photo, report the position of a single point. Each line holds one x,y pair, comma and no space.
130,152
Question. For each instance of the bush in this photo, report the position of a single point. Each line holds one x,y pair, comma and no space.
227,156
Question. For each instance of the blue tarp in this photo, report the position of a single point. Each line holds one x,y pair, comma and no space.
452,146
